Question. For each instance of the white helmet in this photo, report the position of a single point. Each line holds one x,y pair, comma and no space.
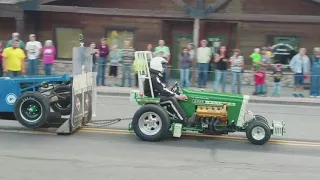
156,64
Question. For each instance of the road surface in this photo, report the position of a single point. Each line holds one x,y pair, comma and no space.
119,155
302,123
96,156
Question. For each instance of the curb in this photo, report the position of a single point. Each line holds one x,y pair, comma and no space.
257,101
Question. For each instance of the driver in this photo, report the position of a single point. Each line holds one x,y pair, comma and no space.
167,97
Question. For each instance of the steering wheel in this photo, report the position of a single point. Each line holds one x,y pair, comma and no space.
175,88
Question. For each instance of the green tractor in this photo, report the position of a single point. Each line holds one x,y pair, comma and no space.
207,112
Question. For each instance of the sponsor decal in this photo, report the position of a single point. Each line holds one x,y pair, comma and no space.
11,98
213,103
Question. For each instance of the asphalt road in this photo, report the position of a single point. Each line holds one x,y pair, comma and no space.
302,123
119,155
84,156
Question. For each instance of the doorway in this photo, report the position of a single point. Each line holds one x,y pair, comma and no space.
180,41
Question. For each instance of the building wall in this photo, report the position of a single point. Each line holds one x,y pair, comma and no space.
95,26
254,35
8,26
285,7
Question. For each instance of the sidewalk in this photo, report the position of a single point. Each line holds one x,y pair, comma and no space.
285,99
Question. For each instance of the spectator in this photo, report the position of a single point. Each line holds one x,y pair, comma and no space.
163,51
149,47
237,63
115,58
137,67
95,55
48,56
256,60
1,50
191,51
33,49
265,63
185,65
221,60
259,81
277,75
16,36
315,74
203,58
13,60
127,61
300,65
102,62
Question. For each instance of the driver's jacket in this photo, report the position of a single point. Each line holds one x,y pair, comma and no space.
159,89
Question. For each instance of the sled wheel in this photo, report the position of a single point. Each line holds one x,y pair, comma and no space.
260,118
151,123
32,109
258,132
63,105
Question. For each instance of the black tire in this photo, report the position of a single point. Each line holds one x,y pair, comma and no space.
41,107
63,106
155,110
251,127
261,118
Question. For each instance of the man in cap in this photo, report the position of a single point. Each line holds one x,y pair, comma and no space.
15,37
33,49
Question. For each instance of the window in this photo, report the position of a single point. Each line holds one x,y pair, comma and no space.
283,47
66,39
118,36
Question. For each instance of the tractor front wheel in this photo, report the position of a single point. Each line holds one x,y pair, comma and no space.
151,123
258,132
32,109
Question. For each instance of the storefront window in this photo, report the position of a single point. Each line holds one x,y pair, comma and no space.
283,48
66,39
118,36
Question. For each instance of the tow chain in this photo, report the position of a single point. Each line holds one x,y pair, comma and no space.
106,122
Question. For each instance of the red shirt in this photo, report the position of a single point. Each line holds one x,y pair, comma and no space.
259,77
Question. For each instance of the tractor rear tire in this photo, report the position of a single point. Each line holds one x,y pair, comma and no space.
32,109
63,106
151,123
258,132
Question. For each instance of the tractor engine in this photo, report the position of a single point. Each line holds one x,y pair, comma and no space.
214,119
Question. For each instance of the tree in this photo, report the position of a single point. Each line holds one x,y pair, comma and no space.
199,11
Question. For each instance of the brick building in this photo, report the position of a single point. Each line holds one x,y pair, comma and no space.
244,24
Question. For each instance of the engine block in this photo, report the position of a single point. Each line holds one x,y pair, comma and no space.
220,112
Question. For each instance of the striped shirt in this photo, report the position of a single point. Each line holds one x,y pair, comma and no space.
127,56
236,62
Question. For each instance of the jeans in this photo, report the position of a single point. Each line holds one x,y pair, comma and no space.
94,67
220,76
101,78
184,78
33,66
47,69
315,79
276,88
261,88
236,77
164,78
126,70
13,73
203,73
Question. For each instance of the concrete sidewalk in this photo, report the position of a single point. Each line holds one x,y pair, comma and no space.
286,99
